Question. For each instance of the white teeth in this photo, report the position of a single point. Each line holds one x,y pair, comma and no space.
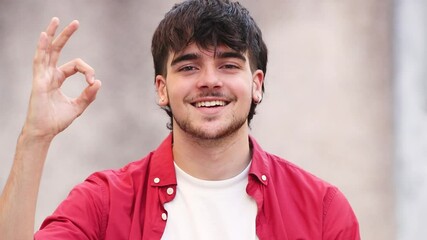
210,104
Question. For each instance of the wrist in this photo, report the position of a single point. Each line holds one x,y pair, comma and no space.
34,137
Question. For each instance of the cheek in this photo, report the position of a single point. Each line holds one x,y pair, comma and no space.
177,93
242,88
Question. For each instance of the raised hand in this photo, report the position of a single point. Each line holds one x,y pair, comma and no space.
50,110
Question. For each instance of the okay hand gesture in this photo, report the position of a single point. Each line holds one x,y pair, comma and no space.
50,111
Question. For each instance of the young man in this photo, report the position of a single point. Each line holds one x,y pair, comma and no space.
209,179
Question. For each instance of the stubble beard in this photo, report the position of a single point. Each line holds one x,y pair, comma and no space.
200,133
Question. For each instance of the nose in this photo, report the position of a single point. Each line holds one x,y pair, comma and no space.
209,78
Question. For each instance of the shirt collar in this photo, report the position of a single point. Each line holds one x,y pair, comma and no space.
162,169
259,167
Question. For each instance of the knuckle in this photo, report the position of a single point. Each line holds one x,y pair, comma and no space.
79,61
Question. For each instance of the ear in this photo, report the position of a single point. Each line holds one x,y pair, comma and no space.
257,81
161,90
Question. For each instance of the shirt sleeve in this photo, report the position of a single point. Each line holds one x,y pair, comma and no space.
82,215
339,220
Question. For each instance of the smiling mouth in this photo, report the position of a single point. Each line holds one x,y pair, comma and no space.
210,104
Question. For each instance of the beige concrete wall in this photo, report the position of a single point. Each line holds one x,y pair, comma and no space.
327,105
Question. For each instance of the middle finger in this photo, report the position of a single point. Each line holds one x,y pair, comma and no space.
60,42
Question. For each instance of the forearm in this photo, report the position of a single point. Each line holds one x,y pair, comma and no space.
19,197
50,111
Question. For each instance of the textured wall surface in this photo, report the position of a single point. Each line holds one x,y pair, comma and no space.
327,105
411,118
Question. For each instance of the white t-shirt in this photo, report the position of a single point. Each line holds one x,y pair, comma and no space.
211,209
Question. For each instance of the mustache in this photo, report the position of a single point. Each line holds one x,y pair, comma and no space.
210,93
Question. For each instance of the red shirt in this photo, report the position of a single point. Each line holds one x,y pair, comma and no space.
128,203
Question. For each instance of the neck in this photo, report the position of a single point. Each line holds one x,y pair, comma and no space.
216,159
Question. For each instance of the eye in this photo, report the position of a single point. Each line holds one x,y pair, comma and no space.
230,66
187,68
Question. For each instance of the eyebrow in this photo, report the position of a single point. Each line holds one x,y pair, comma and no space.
185,57
231,55
193,56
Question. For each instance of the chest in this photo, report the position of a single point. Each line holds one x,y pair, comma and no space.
211,210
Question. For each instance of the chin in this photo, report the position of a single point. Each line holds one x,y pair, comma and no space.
208,132
213,129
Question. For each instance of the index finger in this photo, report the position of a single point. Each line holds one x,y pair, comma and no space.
77,65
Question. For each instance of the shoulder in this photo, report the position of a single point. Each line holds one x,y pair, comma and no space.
127,175
281,168
134,176
281,171
285,174
286,179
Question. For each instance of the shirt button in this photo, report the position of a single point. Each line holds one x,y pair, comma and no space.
164,216
264,178
169,191
156,180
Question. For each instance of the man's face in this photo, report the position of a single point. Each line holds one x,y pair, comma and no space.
209,91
